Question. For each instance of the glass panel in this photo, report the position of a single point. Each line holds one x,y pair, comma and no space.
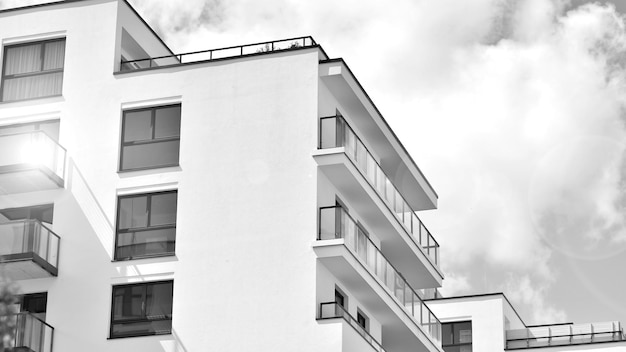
150,155
127,302
167,122
145,243
462,332
23,59
137,125
133,212
328,133
54,53
142,328
42,85
163,209
159,301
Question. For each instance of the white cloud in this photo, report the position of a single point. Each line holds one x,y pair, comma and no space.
524,290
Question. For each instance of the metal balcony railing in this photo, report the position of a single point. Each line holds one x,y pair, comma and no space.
215,54
29,333
32,148
29,236
335,223
331,310
335,132
564,334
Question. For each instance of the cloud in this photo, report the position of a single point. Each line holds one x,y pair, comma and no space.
524,290
533,121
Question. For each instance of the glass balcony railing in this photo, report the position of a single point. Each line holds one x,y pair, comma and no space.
335,223
32,148
215,54
335,132
29,333
330,310
29,236
564,334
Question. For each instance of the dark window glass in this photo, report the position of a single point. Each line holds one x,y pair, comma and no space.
361,320
339,299
146,225
33,70
142,309
457,337
150,137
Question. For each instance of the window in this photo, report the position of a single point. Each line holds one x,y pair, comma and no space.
150,137
34,303
146,225
340,299
142,309
457,337
361,319
33,70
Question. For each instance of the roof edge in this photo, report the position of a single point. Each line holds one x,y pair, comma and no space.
342,61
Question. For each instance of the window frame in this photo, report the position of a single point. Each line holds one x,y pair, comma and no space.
153,140
452,323
143,309
147,228
41,72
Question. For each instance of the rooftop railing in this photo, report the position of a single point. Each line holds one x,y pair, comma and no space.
215,54
34,148
335,132
29,236
331,310
565,334
29,333
336,223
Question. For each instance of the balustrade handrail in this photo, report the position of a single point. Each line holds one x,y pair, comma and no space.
35,246
543,336
30,315
34,132
179,57
348,317
405,283
411,230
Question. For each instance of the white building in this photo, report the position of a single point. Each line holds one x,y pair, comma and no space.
245,199
489,323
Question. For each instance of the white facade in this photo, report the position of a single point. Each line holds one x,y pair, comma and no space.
250,268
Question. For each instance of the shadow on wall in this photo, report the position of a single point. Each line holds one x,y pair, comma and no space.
91,208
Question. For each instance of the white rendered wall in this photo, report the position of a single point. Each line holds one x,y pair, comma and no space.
486,314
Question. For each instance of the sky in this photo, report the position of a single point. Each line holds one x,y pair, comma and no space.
514,110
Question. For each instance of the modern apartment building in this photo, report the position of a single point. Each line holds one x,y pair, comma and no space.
490,323
250,198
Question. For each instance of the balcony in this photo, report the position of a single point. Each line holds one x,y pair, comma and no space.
28,250
30,161
344,248
352,168
565,334
31,334
332,310
217,54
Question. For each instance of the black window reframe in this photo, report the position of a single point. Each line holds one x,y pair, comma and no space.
149,196
41,72
141,284
153,140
